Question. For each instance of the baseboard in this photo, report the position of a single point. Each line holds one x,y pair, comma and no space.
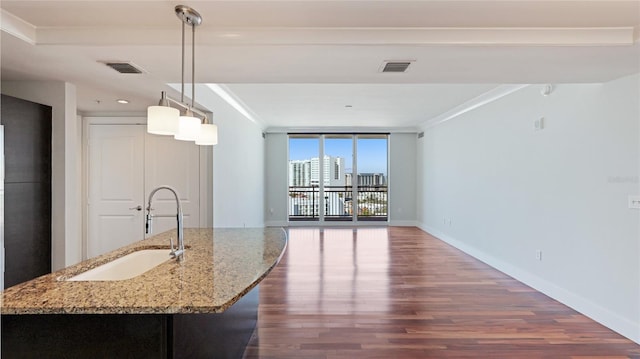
338,224
400,223
276,224
602,315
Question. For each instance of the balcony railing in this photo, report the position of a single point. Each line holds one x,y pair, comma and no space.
372,203
305,204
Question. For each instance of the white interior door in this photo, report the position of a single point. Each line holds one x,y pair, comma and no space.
176,164
125,165
116,187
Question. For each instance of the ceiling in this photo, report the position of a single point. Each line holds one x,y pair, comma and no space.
299,63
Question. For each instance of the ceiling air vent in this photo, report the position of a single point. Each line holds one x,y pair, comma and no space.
124,67
396,66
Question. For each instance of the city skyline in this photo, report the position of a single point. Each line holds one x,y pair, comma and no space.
320,185
372,152
305,173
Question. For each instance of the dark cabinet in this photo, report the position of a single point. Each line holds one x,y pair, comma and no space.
27,186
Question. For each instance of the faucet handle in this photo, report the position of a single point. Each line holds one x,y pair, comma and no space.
148,223
173,248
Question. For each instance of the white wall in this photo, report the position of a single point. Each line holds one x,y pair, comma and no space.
238,168
66,224
402,179
494,187
276,179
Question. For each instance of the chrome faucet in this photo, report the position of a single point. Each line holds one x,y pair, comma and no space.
177,253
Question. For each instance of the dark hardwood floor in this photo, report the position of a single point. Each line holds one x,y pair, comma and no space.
400,293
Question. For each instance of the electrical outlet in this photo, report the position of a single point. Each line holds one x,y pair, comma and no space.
539,255
634,201
538,124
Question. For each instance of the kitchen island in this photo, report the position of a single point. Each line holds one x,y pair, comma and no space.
203,306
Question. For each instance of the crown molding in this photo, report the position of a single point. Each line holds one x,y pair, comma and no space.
17,27
346,129
479,101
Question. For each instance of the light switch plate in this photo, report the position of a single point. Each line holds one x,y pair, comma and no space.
634,202
538,124
539,254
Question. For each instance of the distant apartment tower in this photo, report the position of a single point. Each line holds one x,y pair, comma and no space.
305,173
300,173
368,179
334,171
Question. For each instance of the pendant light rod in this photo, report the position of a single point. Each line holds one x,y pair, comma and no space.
182,72
192,18
193,64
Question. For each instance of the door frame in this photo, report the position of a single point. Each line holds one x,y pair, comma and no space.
205,181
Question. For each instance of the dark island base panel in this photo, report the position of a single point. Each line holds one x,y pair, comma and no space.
224,335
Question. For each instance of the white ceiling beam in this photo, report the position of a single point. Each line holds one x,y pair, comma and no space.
519,36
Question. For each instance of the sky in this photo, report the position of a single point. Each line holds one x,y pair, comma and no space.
372,153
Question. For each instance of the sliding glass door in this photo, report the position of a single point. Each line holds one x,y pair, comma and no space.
304,184
338,166
337,177
372,177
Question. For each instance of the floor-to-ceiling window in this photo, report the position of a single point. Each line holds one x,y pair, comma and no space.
304,199
338,177
371,189
338,166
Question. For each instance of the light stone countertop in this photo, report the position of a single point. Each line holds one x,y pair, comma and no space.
220,266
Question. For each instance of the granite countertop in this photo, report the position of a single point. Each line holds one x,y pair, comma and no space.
220,266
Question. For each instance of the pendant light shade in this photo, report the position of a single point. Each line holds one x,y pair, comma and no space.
208,135
162,120
165,120
188,128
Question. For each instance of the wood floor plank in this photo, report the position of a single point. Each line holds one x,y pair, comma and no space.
398,292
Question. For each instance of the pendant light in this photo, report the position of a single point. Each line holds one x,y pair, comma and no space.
208,135
166,120
162,119
188,128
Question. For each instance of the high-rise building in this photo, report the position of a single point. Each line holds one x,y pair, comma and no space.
372,179
315,171
305,173
334,171
368,179
300,173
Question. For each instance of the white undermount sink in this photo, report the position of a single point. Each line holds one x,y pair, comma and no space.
125,267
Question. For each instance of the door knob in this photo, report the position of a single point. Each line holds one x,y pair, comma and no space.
139,208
